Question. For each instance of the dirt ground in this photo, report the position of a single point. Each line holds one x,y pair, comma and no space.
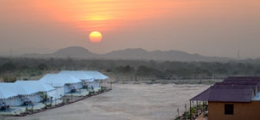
126,102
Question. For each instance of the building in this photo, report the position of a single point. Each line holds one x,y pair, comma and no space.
236,98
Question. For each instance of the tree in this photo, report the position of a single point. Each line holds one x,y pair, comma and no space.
42,66
9,78
125,69
146,71
7,67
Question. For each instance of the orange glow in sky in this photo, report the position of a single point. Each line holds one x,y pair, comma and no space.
103,15
207,27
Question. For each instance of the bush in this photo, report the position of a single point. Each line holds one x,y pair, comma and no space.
9,78
192,110
186,115
103,88
123,82
91,93
163,82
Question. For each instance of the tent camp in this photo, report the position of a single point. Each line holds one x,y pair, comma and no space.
39,86
98,78
85,79
64,83
90,78
24,93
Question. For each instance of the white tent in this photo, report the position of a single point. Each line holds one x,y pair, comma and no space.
39,86
96,75
11,98
8,97
91,78
5,93
95,85
79,74
24,94
19,89
86,79
27,93
63,82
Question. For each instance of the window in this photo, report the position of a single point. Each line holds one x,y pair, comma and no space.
229,109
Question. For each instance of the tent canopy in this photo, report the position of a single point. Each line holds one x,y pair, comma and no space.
79,74
96,75
37,85
58,80
5,94
18,88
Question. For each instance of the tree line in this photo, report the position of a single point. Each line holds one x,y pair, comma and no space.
28,68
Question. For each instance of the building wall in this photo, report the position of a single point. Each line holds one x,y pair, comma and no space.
242,111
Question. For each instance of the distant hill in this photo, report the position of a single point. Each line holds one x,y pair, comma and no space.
69,52
128,54
74,52
172,55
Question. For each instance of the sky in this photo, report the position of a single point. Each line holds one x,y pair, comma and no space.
223,28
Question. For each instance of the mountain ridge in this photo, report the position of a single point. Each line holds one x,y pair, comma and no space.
77,52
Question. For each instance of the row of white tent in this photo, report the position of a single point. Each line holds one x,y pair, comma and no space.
54,86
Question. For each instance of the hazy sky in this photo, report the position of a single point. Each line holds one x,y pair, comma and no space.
207,27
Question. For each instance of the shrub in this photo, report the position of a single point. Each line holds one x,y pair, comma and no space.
163,82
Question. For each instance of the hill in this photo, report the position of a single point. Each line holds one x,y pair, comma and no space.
128,54
172,55
74,52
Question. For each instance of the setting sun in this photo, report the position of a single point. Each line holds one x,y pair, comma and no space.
95,36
